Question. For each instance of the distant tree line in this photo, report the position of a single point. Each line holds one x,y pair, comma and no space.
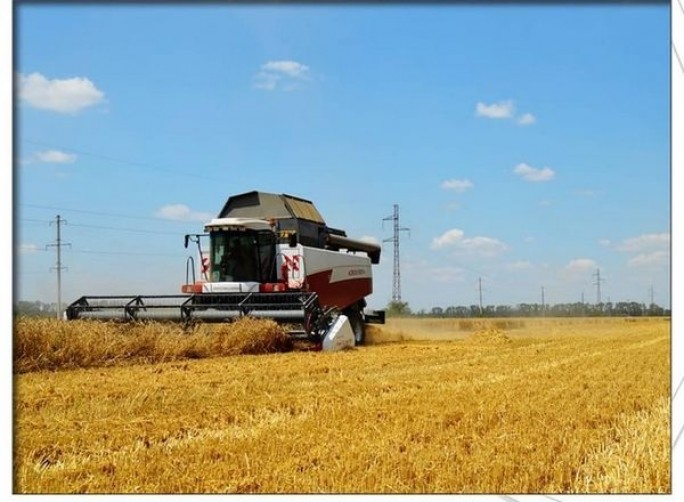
394,308
577,309
35,309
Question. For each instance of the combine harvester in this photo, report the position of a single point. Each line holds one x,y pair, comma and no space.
270,256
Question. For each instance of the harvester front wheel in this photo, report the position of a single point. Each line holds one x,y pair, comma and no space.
356,321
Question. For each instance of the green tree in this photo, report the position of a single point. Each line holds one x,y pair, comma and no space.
396,308
34,309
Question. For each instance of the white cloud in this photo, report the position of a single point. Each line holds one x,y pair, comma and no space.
649,250
283,75
370,239
604,242
447,238
527,119
645,242
458,186
504,110
427,272
266,81
487,246
454,239
500,110
63,96
654,259
55,157
28,249
446,274
181,212
519,265
290,68
580,265
529,173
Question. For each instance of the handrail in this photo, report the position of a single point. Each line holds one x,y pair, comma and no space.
190,261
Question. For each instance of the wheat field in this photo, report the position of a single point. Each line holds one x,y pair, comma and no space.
428,406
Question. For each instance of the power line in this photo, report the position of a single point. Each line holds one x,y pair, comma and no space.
101,227
123,253
97,252
35,221
102,213
30,249
114,253
120,161
137,230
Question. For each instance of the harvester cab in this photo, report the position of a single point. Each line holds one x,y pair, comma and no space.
269,256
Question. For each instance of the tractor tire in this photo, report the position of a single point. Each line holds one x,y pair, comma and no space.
358,327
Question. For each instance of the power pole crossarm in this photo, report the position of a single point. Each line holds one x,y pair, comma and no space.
59,245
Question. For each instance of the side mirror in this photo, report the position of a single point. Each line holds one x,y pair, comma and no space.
187,239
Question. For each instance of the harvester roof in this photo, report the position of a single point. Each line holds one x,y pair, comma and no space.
293,214
266,205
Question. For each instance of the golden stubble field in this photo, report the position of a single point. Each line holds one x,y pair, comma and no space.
429,406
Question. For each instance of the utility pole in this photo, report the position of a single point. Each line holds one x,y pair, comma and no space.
479,281
598,285
396,273
542,298
651,290
59,244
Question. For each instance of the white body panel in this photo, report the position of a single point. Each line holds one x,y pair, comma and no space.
339,336
230,287
305,261
344,265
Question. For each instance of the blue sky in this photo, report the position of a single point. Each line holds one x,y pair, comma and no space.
526,145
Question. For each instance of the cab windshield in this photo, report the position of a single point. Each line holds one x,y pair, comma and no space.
245,256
